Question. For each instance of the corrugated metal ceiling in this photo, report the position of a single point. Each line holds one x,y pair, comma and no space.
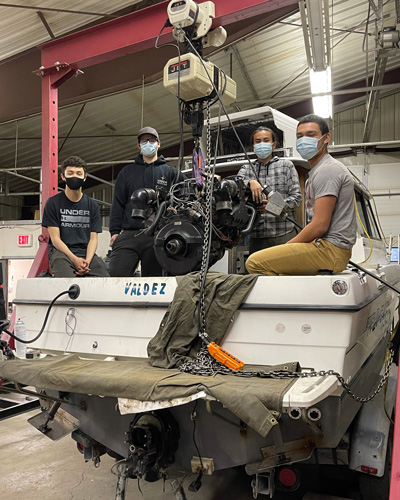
21,27
274,59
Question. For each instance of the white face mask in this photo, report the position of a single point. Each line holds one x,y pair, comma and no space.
307,147
148,149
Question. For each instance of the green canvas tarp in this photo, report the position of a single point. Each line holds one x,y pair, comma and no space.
250,399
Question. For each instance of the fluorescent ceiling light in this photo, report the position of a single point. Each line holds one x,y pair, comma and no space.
320,82
316,32
314,15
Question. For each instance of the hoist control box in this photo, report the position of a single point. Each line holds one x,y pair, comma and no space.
190,78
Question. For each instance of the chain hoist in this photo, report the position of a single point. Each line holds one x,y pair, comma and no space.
214,350
207,190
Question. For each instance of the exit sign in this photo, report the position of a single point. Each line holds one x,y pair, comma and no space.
24,240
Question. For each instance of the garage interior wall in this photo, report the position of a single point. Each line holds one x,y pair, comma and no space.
349,124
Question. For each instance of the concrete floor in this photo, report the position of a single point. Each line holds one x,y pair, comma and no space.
33,467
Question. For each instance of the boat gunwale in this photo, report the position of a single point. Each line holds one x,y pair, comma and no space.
244,306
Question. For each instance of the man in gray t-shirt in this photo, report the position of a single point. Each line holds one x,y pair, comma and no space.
326,241
329,177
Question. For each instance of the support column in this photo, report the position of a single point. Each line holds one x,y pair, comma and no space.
52,78
49,139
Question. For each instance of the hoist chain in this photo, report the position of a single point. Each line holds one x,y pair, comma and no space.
206,366
207,221
379,387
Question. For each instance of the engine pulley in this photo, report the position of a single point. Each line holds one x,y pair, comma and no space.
178,246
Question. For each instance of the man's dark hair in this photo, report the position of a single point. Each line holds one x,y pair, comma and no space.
323,126
73,161
268,129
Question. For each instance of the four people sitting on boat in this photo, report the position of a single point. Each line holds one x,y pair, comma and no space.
326,241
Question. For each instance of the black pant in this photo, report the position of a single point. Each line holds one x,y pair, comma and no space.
128,249
62,267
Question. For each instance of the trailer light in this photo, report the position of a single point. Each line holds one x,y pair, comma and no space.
369,470
340,287
287,477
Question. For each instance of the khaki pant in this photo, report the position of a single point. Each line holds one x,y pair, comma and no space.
299,258
257,244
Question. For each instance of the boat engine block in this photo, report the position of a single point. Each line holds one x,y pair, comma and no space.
178,220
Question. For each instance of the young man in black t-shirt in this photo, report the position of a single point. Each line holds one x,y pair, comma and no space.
73,220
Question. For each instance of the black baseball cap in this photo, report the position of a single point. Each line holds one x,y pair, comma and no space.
148,130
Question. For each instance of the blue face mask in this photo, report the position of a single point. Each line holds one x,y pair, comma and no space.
148,149
307,147
263,149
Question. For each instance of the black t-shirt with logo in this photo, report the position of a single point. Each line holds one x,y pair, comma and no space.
76,220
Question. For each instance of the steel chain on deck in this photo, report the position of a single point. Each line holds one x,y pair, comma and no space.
207,366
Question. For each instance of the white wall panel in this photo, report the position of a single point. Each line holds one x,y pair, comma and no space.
344,130
384,177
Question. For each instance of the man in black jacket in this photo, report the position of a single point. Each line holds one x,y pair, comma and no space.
129,244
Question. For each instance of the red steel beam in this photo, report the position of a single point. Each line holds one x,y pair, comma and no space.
52,78
49,139
138,31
